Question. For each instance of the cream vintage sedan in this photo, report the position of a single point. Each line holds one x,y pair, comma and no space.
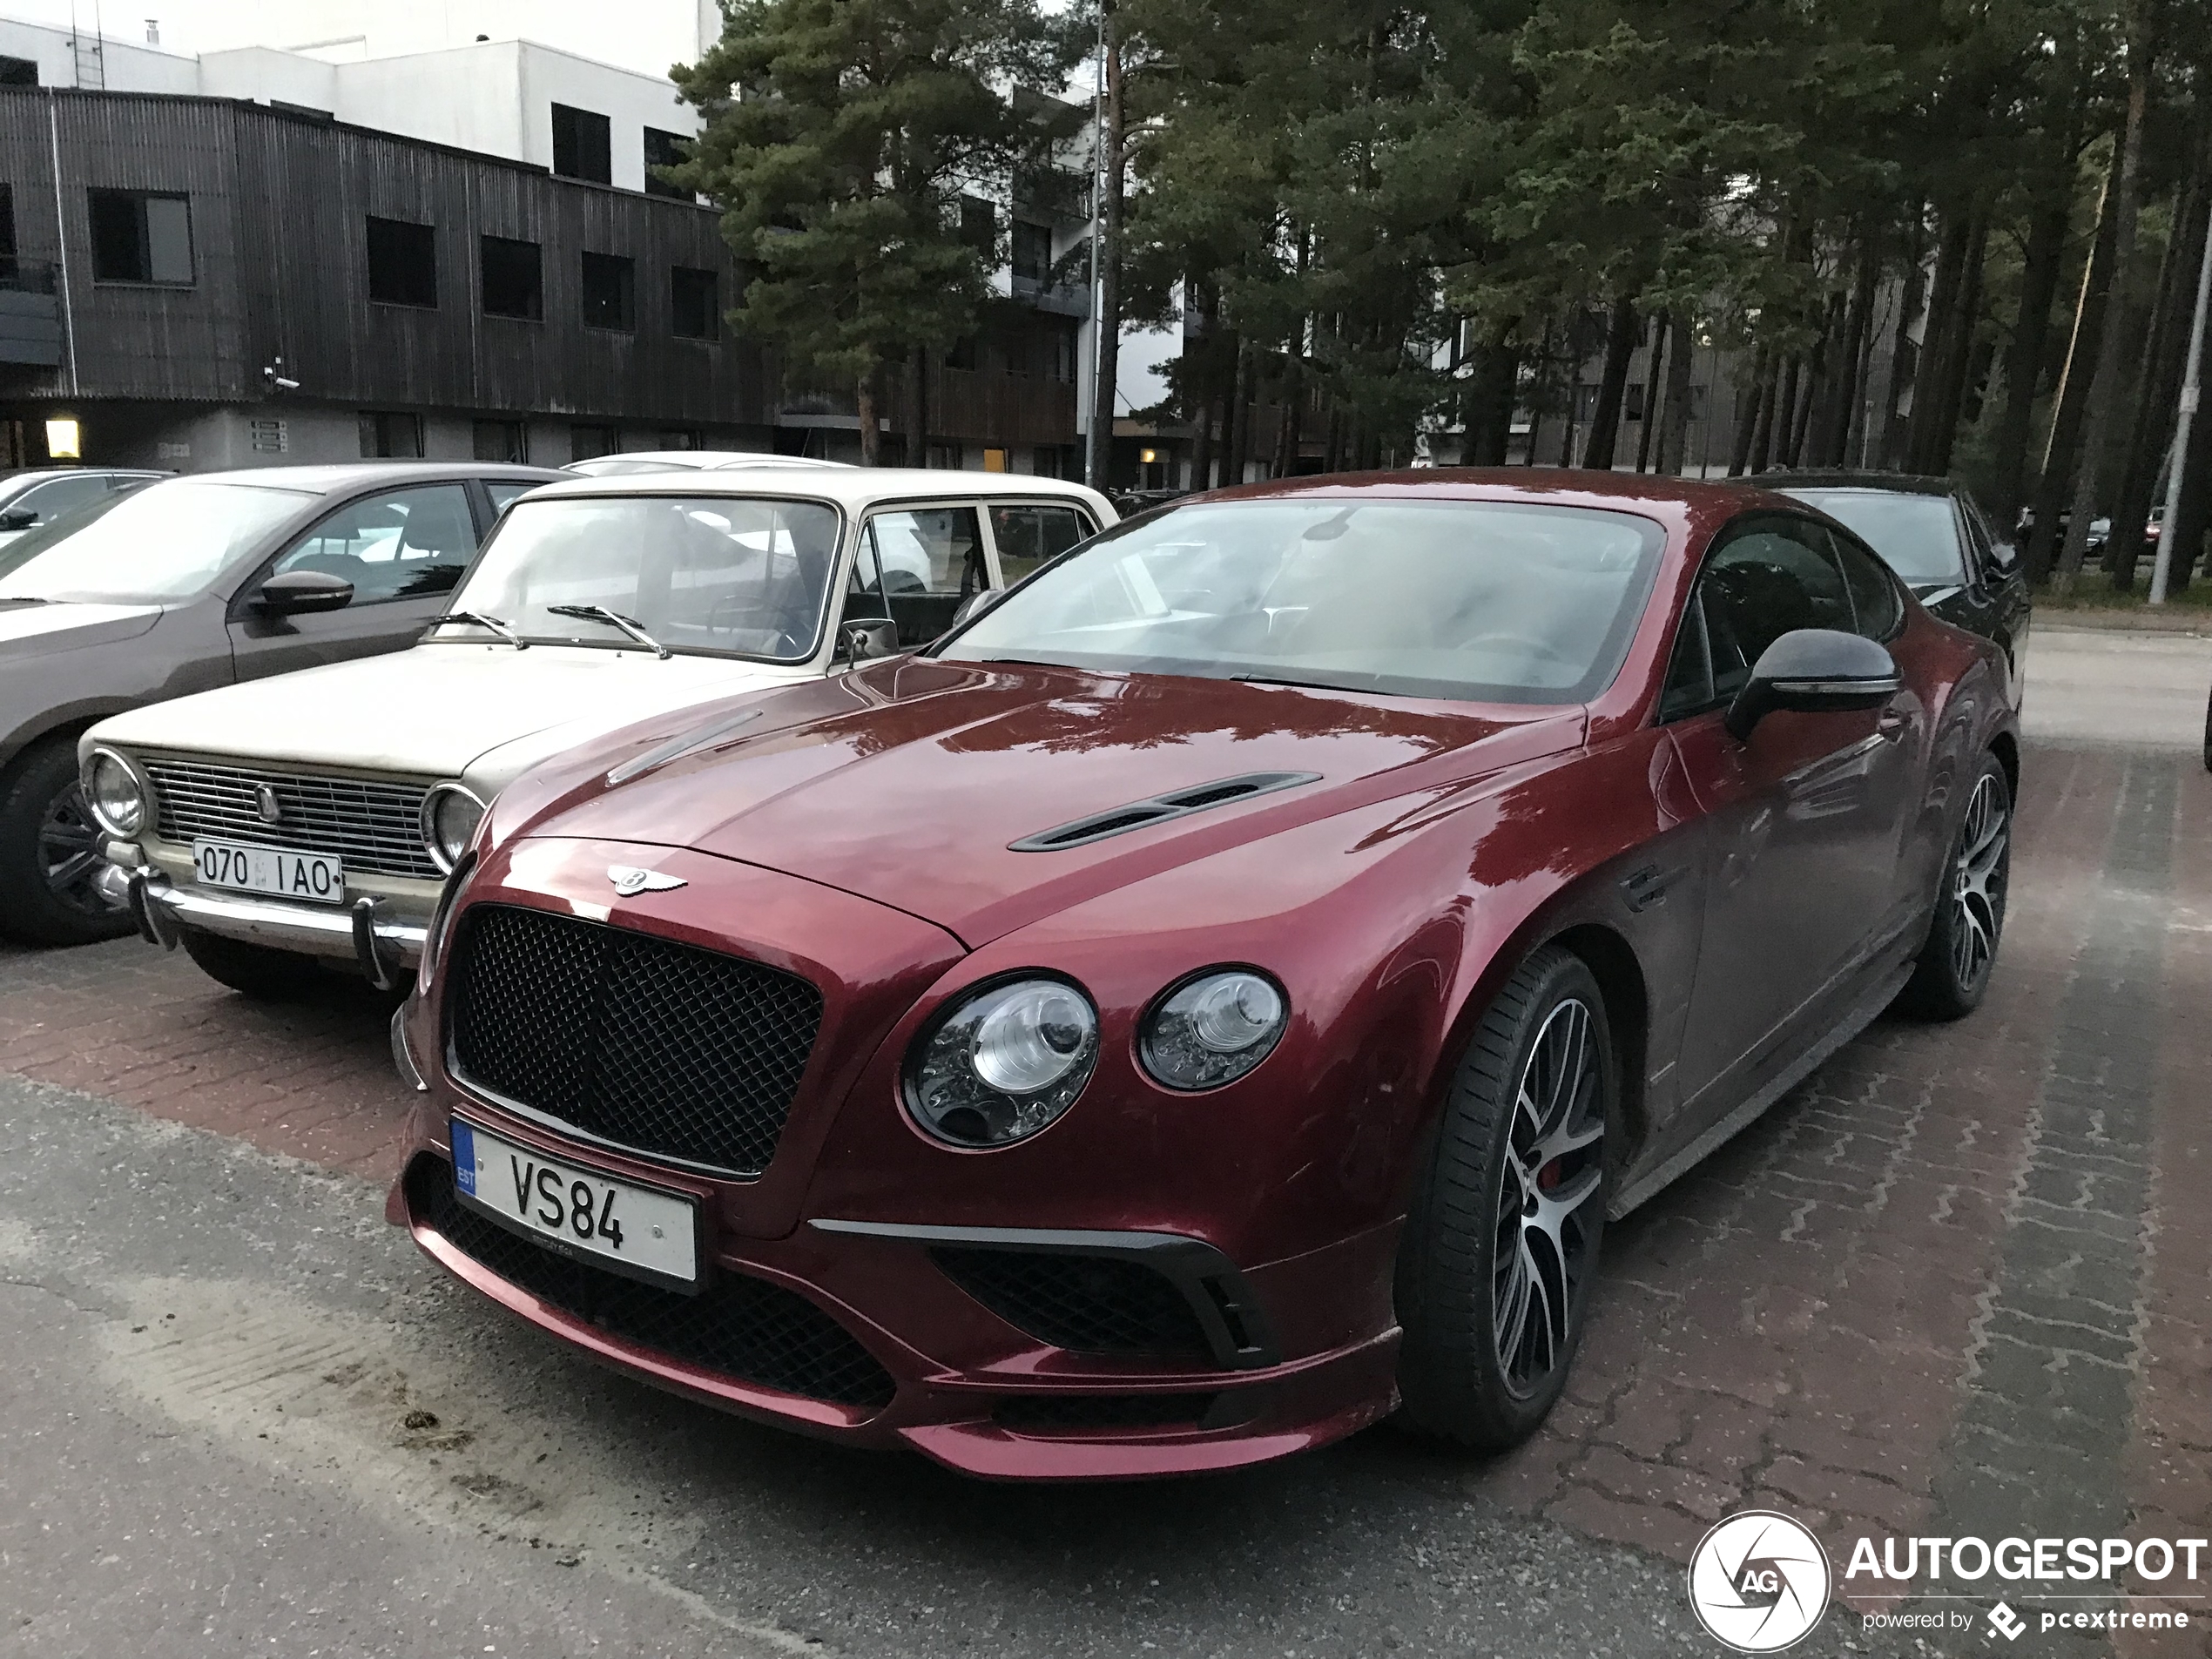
318,814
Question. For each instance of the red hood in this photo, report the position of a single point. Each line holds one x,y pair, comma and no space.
906,782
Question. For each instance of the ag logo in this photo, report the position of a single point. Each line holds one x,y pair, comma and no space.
1758,1581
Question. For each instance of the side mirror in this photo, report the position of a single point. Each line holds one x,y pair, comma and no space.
976,604
18,518
866,638
291,593
1814,670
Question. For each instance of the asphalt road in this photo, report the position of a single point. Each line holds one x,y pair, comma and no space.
239,1414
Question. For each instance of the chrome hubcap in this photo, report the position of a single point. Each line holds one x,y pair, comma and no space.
1978,876
68,852
1547,1209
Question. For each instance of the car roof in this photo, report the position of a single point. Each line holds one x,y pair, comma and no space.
328,479
849,487
1507,484
700,460
1894,484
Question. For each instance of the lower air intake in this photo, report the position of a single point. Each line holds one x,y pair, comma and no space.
1086,1304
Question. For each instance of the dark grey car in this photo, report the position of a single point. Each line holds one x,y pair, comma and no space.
191,582
1931,532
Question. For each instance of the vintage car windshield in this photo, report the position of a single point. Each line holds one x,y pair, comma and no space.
1489,601
170,541
1918,535
744,575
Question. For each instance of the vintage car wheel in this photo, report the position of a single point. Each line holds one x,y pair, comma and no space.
49,850
1501,1245
1952,972
251,970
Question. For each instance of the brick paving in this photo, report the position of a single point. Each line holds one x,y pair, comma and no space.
1959,1281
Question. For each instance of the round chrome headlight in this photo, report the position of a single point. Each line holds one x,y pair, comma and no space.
112,791
450,814
1212,1029
1004,1063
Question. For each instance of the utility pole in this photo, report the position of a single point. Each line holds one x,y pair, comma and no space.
1105,254
2192,393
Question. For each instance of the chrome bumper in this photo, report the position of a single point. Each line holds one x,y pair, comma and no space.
384,949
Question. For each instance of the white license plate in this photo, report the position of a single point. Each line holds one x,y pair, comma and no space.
650,1234
316,877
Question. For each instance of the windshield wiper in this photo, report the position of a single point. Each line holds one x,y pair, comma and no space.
1310,685
613,619
491,625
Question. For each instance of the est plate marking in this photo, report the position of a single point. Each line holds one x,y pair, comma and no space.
650,1234
317,877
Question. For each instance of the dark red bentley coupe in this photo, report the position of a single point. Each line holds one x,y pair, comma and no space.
1216,996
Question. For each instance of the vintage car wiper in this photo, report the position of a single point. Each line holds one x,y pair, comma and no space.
614,619
491,625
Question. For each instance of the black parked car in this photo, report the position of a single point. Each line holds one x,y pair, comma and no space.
1934,535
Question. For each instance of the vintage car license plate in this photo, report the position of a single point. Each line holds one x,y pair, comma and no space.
650,1234
316,877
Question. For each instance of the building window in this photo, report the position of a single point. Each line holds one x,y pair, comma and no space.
692,309
979,226
963,353
391,437
402,263
502,441
588,442
582,145
18,71
1032,253
138,237
665,150
1632,403
513,286
610,293
684,437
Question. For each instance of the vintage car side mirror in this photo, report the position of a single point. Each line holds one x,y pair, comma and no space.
18,518
292,592
866,638
976,604
1813,670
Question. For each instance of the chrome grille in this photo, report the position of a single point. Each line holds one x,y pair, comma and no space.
372,827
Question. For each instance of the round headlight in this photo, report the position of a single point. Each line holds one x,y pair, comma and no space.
1213,1029
450,814
1004,1063
111,789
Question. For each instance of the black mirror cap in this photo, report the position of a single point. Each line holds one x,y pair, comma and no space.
1814,670
19,518
291,593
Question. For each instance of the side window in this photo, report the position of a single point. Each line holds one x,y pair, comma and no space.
1027,536
400,545
1771,578
49,500
1689,675
1875,605
503,490
923,561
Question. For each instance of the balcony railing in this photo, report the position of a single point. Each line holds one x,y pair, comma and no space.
26,276
1053,190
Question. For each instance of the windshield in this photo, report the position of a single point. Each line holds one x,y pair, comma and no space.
170,541
21,550
1490,601
1918,535
736,575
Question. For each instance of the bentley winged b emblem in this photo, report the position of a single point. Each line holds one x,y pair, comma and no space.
630,881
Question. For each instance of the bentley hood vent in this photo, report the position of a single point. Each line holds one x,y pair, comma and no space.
1115,820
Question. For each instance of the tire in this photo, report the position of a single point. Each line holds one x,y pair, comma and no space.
1486,1349
50,850
1952,974
257,971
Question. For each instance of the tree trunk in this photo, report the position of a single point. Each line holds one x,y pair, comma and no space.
1674,428
1954,371
1612,387
1247,398
1202,446
2024,357
1785,415
2159,385
1946,309
1891,452
918,433
1649,426
1286,429
2061,447
1831,430
864,394
2089,484
1232,412
1747,404
1489,401
1106,255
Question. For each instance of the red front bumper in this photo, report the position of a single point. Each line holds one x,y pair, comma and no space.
947,1376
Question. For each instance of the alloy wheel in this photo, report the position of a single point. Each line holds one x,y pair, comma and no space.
1978,877
1546,1225
69,854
